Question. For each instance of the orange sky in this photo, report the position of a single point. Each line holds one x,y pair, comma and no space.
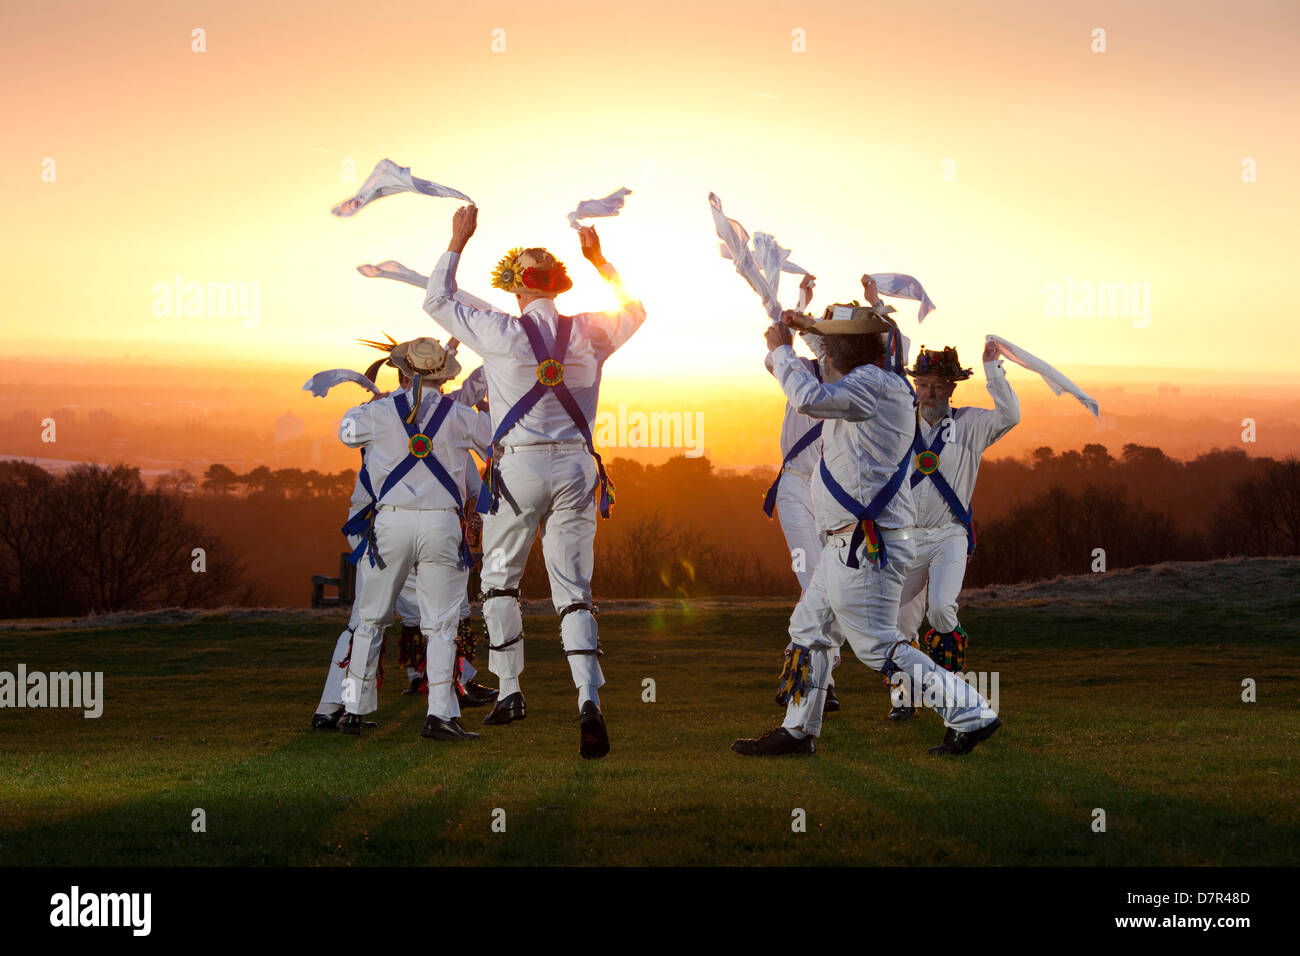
1123,166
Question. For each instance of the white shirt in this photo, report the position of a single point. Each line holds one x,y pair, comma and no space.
870,422
378,428
511,365
972,431
470,393
794,426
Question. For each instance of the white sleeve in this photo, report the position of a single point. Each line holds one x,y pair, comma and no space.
471,390
842,399
486,331
357,427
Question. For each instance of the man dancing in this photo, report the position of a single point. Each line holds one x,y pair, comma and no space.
412,645
948,446
543,372
790,495
865,509
416,443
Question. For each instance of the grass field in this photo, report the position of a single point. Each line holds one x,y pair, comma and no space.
1132,705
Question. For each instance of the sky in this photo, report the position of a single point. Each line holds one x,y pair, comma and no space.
990,149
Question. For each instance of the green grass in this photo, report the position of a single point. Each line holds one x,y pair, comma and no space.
1133,709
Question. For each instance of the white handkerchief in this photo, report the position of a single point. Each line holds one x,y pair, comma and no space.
735,242
773,259
1057,382
395,270
904,287
320,383
591,208
389,178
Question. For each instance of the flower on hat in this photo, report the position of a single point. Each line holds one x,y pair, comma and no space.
545,280
507,274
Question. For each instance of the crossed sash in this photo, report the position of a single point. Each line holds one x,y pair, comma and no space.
420,449
927,466
550,378
868,513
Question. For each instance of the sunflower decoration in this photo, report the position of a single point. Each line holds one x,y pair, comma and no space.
508,274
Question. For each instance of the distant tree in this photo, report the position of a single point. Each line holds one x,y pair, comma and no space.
289,481
1096,457
219,479
179,482
260,479
1042,457
1140,455
1262,514
96,539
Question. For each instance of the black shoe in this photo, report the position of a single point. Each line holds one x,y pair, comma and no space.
595,738
415,686
507,709
475,695
900,713
325,721
832,702
774,743
435,728
956,743
352,724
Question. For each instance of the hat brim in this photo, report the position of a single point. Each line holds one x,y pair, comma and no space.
450,368
965,374
849,326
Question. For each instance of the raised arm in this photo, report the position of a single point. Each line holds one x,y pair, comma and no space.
484,330
1006,406
612,328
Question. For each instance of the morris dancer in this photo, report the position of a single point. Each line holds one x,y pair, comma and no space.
416,443
543,373
948,446
790,495
865,509
411,649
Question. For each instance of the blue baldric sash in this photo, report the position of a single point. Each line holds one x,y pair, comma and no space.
927,466
420,449
806,439
360,522
550,378
867,514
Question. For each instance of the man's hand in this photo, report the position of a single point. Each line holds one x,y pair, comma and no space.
463,223
778,335
869,289
806,290
797,320
991,350
591,245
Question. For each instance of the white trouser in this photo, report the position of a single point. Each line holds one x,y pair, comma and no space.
552,488
331,698
940,561
864,603
408,608
430,541
795,511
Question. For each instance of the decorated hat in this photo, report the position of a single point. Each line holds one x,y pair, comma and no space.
424,358
938,364
531,272
853,319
